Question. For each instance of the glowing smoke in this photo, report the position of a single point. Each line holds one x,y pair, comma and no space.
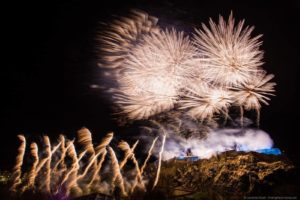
218,141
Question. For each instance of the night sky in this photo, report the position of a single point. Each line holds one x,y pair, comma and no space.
50,60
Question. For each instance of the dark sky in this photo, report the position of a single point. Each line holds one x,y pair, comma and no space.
50,61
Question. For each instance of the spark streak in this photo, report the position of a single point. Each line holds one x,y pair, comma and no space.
19,162
145,163
159,161
48,163
32,173
62,156
116,171
124,146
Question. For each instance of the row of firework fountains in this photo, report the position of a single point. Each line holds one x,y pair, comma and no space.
61,171
148,70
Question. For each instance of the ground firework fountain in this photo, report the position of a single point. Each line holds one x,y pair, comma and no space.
71,177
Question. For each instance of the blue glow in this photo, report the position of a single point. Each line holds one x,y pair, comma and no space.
271,151
188,158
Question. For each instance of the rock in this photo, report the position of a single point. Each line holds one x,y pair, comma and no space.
240,173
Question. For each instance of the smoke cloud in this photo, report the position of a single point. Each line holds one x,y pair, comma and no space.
218,141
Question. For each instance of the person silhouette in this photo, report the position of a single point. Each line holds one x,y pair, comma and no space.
188,152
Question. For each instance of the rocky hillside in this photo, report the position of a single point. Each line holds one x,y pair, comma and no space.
230,175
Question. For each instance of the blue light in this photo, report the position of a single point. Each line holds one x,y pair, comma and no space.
188,158
271,151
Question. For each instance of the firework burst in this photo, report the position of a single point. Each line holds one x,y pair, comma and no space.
122,35
255,91
229,55
159,70
153,74
203,101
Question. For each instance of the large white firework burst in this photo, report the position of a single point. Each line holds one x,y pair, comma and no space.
154,72
229,55
151,70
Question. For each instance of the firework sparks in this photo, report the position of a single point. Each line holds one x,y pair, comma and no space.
122,35
229,55
67,181
153,74
43,161
91,162
72,174
85,139
19,162
128,154
124,146
255,91
159,161
145,163
32,173
166,69
63,151
116,171
101,149
155,70
48,163
95,176
105,142
202,102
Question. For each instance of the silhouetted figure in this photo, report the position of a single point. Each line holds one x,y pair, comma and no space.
188,152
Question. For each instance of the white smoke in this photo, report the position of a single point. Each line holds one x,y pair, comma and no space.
218,141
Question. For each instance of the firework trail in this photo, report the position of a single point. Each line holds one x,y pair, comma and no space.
145,163
124,146
72,174
149,154
32,173
66,149
139,174
19,162
85,139
99,166
48,163
61,162
43,161
105,142
255,90
72,152
128,154
101,149
116,171
159,160
91,162
229,55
